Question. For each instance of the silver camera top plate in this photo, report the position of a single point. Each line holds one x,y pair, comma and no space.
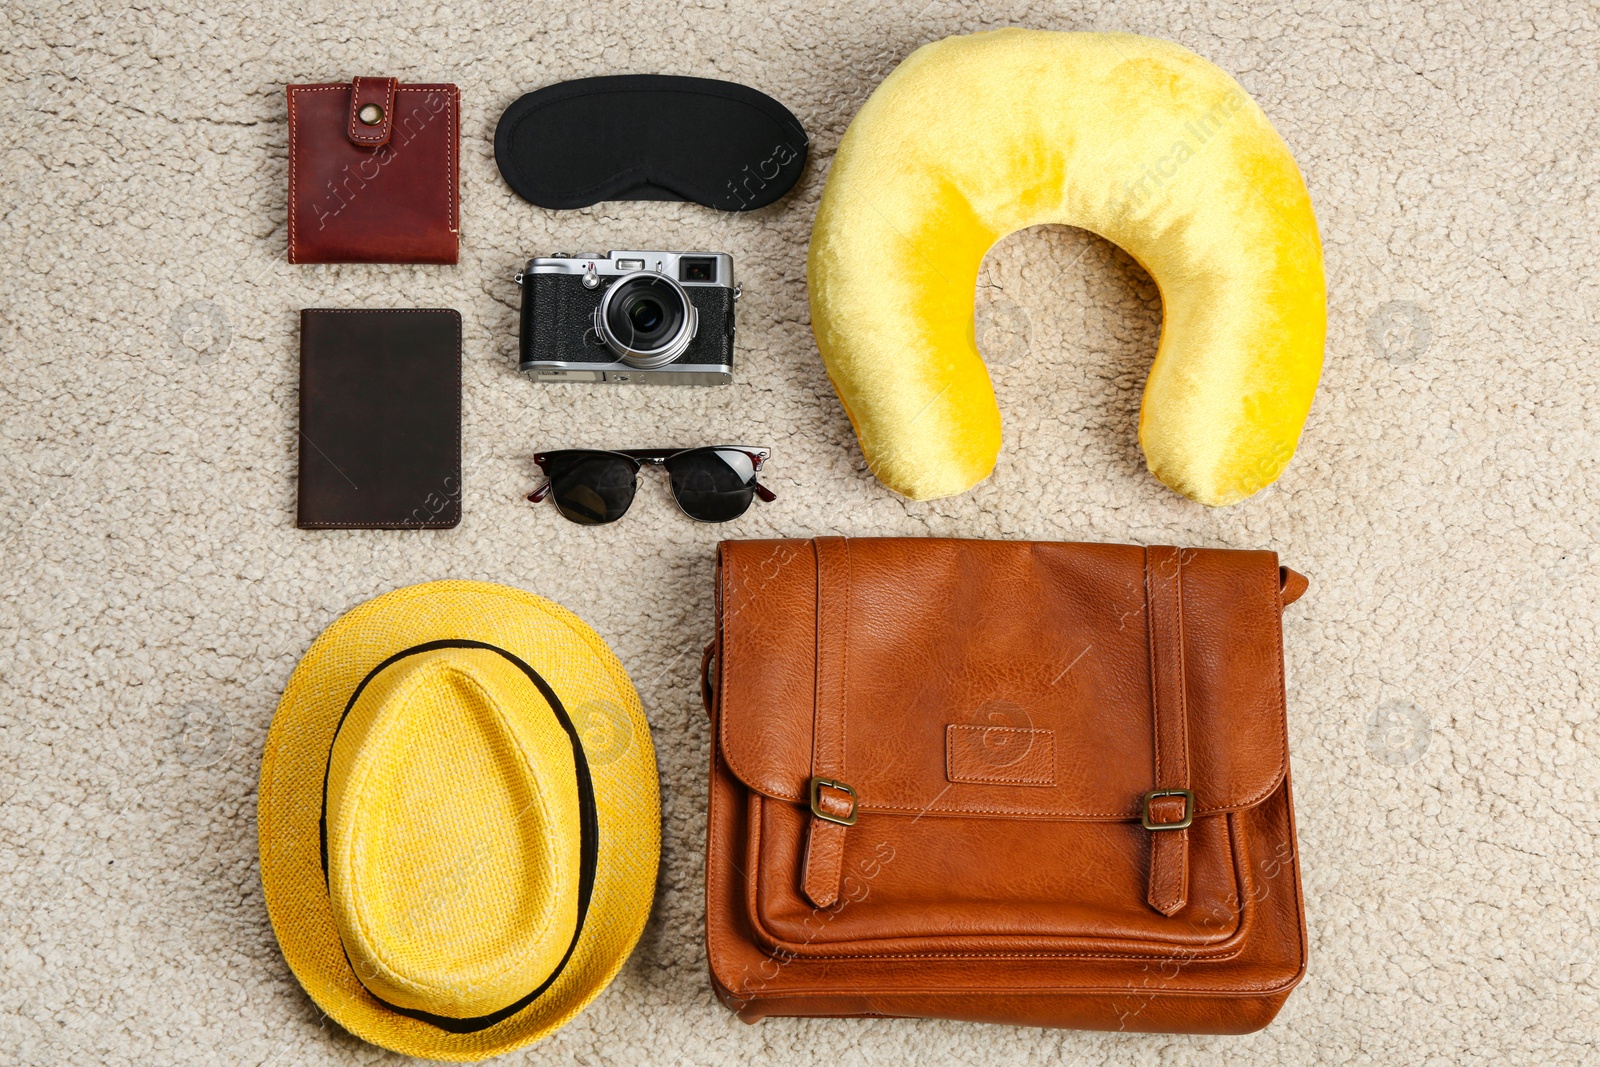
701,268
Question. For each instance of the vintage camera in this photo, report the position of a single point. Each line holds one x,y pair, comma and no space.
644,318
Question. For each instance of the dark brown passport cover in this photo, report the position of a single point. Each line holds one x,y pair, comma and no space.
380,419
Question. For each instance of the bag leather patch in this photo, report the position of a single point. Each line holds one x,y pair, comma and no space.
999,755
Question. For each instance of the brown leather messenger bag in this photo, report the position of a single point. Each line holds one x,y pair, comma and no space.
1023,782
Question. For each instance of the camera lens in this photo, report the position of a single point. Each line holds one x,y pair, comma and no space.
646,313
647,320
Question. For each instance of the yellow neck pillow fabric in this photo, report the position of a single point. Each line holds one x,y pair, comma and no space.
1135,139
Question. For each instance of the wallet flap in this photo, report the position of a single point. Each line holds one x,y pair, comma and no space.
371,118
992,678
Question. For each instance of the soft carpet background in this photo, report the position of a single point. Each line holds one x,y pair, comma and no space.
1443,669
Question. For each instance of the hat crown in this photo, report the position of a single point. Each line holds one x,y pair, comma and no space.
453,833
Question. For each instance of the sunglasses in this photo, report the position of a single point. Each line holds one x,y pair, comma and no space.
594,487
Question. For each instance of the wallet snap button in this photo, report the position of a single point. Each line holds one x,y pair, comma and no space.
370,114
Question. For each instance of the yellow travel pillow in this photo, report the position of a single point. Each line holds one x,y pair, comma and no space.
1135,139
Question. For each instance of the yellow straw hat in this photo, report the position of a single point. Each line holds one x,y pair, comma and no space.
459,819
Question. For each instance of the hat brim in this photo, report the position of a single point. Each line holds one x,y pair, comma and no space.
597,694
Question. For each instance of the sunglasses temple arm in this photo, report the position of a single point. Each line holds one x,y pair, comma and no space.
764,493
540,493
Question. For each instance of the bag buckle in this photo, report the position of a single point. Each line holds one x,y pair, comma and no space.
1157,794
849,817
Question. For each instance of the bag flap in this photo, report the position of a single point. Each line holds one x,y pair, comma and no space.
999,678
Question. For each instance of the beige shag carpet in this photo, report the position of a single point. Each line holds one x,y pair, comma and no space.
1444,669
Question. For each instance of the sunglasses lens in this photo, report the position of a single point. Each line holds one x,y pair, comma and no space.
713,484
593,488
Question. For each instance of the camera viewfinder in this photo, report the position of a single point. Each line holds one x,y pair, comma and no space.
697,269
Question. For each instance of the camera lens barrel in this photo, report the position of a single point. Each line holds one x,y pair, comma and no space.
647,319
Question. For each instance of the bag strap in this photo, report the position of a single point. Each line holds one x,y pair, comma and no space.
1169,807
833,803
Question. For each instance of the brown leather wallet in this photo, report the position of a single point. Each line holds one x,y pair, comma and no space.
372,172
1021,782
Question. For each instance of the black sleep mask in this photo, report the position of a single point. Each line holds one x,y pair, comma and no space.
649,137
